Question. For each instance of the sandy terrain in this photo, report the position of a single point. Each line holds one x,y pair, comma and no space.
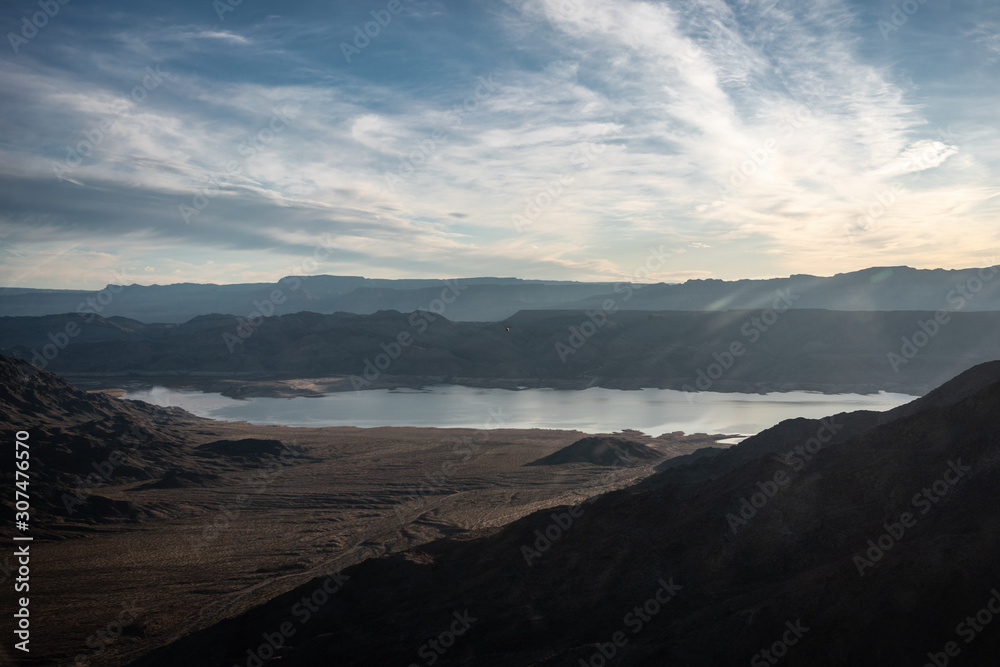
345,495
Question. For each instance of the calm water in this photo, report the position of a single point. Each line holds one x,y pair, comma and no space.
594,410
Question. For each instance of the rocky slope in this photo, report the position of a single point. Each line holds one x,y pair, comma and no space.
879,548
82,442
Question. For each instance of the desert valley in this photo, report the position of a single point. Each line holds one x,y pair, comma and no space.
500,333
165,537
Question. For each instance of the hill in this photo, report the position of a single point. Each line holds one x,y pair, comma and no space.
878,549
83,442
600,450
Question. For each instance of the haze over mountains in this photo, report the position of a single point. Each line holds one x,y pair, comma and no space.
822,350
494,299
848,524
782,533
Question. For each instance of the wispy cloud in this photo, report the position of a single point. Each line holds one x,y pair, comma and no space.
754,134
223,35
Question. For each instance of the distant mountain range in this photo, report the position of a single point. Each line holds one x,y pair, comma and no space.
727,350
495,299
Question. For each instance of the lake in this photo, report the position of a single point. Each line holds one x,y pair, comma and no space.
594,410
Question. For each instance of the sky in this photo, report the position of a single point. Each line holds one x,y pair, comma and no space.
245,140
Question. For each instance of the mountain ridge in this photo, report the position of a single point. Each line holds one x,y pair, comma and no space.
494,299
808,553
733,350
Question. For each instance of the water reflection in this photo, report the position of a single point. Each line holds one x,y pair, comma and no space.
594,410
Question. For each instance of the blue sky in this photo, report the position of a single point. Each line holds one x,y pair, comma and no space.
163,142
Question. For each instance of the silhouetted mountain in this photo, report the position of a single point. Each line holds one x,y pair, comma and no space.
82,441
878,549
876,288
733,350
27,393
782,438
481,298
494,299
247,448
600,450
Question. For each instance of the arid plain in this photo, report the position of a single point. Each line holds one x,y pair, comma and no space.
210,542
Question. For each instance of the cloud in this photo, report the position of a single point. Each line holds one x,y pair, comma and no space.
986,34
223,35
544,138
918,156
